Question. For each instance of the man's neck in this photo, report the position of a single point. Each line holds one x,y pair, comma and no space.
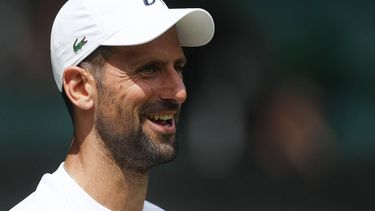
103,179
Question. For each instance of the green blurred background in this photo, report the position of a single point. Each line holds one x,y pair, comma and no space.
280,115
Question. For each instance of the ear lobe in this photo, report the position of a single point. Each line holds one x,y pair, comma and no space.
79,87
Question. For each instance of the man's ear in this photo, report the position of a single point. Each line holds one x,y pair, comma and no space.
79,86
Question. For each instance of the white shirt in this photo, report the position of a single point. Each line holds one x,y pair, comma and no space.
59,192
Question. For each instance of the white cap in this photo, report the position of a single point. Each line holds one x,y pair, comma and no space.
81,26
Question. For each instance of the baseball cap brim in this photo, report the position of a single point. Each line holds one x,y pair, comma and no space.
195,27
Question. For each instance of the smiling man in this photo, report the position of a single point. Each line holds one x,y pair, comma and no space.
118,65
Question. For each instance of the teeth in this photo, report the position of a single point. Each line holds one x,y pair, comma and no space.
163,117
166,117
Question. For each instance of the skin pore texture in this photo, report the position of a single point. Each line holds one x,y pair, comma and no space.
127,124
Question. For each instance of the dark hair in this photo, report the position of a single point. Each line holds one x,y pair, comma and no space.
94,63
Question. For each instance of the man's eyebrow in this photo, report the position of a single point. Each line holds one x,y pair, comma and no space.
141,62
182,60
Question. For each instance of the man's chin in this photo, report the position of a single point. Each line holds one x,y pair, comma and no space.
165,157
165,147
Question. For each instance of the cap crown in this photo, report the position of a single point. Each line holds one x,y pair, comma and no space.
81,26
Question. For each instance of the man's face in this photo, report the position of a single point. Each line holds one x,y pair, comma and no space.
139,102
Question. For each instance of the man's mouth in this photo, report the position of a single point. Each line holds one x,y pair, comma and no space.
163,120
161,117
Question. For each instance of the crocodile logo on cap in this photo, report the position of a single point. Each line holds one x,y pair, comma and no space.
78,46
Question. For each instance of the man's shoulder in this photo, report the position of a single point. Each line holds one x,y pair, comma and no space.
58,191
37,202
26,204
148,206
45,197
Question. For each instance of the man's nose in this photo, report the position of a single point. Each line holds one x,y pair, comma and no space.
173,86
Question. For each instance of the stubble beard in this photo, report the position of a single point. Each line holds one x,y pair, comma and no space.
127,142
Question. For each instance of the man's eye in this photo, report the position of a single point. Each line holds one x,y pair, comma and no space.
149,70
179,68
